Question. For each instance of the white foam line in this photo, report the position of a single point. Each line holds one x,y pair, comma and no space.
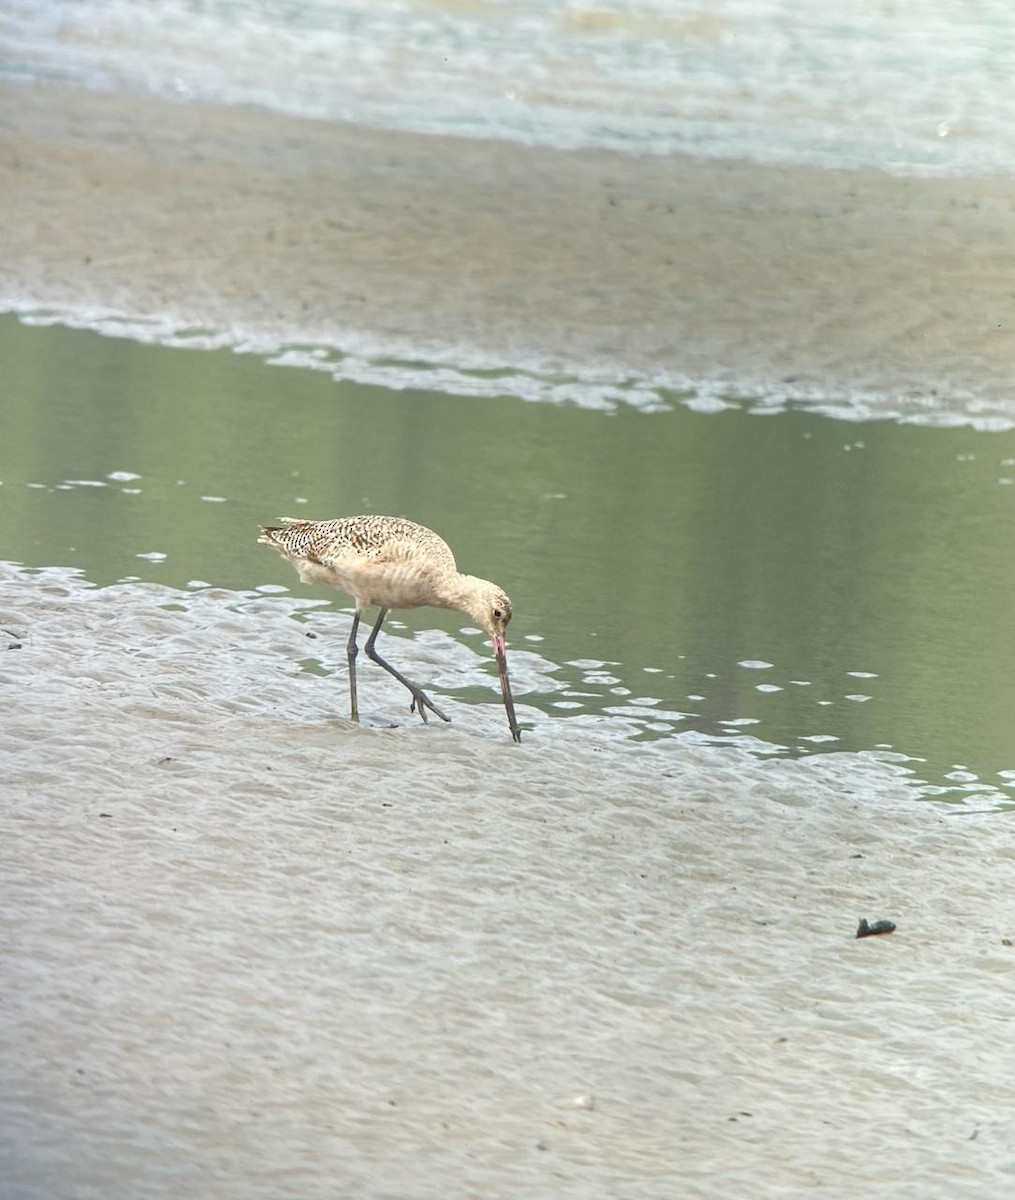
360,357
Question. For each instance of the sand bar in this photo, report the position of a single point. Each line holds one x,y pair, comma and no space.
789,280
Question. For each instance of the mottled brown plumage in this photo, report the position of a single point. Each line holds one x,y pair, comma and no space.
389,562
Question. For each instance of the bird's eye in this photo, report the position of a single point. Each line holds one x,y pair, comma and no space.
497,614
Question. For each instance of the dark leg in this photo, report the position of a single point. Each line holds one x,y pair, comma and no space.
351,651
420,700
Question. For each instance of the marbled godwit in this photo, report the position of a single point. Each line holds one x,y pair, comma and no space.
389,562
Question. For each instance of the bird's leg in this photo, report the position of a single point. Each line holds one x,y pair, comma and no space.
351,651
420,700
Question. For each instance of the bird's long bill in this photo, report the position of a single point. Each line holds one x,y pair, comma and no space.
505,686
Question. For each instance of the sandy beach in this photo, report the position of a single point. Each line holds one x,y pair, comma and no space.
780,281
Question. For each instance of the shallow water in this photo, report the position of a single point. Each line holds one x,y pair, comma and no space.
784,583
907,88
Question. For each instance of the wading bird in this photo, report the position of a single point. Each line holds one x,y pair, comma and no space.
389,562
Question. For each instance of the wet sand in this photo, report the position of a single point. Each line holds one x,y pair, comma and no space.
782,281
254,950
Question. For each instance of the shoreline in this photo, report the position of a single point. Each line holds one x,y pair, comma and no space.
781,282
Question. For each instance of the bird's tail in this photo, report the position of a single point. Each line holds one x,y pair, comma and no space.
275,535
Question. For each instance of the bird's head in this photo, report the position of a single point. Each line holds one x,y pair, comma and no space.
490,608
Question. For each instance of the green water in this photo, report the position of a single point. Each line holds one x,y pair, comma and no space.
648,555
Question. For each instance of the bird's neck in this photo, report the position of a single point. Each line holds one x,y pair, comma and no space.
461,592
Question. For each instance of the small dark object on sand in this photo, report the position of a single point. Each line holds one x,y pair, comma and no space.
865,929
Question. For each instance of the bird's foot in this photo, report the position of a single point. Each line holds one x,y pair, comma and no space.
421,702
